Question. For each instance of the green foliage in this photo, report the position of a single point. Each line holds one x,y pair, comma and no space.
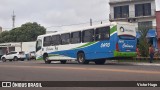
3,36
143,42
27,32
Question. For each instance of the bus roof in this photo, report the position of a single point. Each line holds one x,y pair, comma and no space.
81,29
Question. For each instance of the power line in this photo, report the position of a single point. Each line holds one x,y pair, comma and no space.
78,23
100,21
70,24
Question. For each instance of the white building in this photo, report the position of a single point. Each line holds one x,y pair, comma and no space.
24,46
140,12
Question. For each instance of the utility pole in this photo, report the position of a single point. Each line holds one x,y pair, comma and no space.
21,46
13,20
90,22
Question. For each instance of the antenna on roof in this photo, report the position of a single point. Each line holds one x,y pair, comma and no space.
13,20
90,22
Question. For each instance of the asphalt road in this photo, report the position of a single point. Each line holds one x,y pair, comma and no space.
38,71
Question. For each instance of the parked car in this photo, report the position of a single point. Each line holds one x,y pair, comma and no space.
32,55
14,56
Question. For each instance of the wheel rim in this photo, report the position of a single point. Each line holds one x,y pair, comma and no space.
46,59
15,58
3,59
81,58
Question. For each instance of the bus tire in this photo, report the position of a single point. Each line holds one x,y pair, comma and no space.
63,62
45,58
100,62
81,59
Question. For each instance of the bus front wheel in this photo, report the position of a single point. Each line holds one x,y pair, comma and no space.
81,59
46,59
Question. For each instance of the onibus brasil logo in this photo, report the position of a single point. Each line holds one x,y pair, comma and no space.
20,84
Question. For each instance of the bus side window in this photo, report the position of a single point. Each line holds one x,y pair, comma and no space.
102,33
88,36
76,37
56,40
65,38
47,41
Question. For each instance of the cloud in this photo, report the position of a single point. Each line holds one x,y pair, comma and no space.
52,12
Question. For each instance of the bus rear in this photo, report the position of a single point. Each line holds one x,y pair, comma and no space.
126,43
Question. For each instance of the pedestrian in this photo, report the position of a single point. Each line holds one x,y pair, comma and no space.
151,53
7,50
138,52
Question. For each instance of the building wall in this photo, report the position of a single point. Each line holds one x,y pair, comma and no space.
1,52
4,50
132,7
131,4
158,27
158,23
27,47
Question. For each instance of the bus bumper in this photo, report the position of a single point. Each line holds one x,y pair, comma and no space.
124,54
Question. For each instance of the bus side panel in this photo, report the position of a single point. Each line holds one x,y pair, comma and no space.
66,51
92,50
95,50
103,49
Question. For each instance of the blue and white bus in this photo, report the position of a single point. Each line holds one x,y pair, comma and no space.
94,43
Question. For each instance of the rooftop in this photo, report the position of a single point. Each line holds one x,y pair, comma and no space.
126,1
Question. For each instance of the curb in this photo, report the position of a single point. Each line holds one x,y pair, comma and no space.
142,64
148,64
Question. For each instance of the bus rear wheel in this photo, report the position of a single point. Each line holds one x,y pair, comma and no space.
81,59
100,62
46,59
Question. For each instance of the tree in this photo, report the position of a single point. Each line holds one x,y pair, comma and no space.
143,42
31,31
27,32
4,36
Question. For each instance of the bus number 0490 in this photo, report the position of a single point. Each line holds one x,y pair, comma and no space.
103,45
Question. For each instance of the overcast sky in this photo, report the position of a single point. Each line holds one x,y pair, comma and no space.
53,12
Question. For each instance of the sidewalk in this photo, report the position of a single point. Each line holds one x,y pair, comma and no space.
136,62
146,58
148,64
